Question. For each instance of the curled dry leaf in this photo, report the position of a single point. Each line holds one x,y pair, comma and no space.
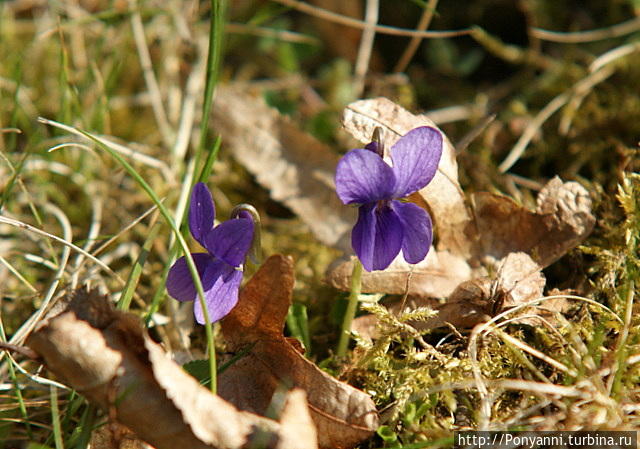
561,221
518,281
296,168
105,355
116,436
436,276
343,415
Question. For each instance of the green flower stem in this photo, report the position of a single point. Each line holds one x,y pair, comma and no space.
352,307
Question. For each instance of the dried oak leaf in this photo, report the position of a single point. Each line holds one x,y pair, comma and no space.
561,220
343,415
116,436
518,280
436,276
105,355
296,168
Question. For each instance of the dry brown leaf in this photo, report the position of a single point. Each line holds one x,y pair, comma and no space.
105,355
518,280
562,220
296,168
443,195
436,276
343,415
116,436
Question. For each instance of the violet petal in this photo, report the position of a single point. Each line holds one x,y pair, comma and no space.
418,231
179,281
202,212
362,177
231,240
222,296
377,236
415,159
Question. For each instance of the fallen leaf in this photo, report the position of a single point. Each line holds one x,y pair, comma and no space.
436,276
105,355
116,436
561,221
343,415
518,280
297,168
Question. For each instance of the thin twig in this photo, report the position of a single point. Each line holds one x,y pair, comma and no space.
423,24
366,46
534,352
628,27
18,349
359,24
612,55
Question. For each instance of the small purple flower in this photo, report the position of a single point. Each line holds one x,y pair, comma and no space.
386,225
220,268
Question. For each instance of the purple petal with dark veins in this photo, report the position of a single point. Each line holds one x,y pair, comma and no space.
222,296
415,159
179,281
377,236
231,240
363,177
418,231
202,212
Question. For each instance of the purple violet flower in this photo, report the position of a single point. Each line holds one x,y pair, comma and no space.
220,268
386,225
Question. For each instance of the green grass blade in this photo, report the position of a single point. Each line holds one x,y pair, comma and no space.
214,58
167,216
298,324
55,418
208,163
132,281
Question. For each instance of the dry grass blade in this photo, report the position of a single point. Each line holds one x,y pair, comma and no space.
613,55
121,149
583,86
149,76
